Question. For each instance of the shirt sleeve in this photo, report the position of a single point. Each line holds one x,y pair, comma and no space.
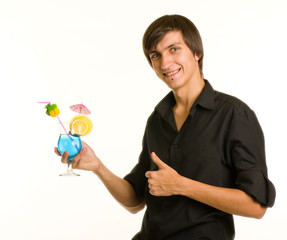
247,153
137,176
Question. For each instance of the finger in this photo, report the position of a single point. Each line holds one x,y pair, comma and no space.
57,152
65,157
147,174
157,161
80,154
78,157
84,144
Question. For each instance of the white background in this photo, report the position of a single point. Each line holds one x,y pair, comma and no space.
89,51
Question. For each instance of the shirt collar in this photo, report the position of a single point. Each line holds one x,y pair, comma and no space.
205,100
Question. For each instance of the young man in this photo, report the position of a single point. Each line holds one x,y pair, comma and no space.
203,154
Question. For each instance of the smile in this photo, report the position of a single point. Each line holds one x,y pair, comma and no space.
170,74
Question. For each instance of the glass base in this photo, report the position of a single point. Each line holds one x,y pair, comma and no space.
70,173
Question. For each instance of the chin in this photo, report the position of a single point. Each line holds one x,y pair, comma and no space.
174,84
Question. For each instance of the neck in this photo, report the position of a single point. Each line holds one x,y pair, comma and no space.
186,96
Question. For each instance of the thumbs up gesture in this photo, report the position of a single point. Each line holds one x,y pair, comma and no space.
165,181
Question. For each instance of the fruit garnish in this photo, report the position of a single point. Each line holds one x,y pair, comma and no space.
81,125
52,110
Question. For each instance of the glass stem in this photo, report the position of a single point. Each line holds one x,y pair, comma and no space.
70,167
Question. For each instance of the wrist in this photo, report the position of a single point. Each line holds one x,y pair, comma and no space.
98,168
185,187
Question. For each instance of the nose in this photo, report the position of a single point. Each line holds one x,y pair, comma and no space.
166,61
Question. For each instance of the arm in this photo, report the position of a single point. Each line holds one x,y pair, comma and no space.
119,188
166,181
233,201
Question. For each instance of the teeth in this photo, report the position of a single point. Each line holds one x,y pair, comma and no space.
171,73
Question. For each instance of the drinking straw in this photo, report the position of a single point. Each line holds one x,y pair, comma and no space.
73,142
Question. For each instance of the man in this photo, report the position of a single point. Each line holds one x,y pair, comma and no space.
203,154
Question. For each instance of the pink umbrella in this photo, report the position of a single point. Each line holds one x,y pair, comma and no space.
80,108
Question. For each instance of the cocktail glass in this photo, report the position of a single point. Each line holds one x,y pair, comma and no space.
73,144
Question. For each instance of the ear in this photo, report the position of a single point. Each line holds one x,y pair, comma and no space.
197,57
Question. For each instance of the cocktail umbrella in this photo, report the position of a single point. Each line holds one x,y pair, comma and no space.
80,108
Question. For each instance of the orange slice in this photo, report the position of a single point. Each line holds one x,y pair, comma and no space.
81,125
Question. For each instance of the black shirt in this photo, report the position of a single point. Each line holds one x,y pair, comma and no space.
220,143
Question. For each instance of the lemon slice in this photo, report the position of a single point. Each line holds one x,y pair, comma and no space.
81,125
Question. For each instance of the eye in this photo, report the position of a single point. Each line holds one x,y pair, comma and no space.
174,49
154,55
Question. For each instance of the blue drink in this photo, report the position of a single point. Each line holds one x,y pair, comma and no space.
70,143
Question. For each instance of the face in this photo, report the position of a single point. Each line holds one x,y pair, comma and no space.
174,62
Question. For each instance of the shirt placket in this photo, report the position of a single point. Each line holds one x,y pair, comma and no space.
175,146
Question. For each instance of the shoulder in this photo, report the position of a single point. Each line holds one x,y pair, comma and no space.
237,111
153,117
231,103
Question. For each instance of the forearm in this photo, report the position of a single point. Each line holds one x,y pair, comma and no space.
233,201
120,189
166,182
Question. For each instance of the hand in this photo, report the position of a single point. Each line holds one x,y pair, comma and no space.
163,182
85,160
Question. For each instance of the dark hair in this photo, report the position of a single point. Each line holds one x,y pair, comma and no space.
161,26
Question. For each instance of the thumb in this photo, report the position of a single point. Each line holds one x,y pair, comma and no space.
157,161
79,155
